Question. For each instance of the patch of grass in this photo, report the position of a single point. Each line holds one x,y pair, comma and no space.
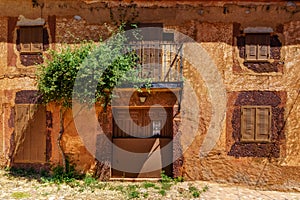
58,176
156,187
195,192
205,188
147,185
89,180
120,188
133,194
129,191
166,186
20,195
165,178
162,192
178,179
146,194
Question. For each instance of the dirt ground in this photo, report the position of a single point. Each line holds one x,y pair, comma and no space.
27,187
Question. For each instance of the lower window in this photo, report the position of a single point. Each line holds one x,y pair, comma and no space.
256,123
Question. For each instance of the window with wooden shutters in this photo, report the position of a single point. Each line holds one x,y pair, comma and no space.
256,123
31,39
257,47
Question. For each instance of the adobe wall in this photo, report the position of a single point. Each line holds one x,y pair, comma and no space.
216,27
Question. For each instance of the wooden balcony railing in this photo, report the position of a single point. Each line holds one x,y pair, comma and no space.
160,62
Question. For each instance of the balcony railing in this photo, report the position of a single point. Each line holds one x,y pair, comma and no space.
161,62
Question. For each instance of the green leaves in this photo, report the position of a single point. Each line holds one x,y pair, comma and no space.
88,72
56,77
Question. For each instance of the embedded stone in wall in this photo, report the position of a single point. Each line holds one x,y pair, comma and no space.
214,32
70,30
28,97
291,33
11,56
256,149
31,59
49,126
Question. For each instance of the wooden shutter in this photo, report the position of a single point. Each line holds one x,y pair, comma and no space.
31,39
151,60
257,47
263,123
37,39
248,124
251,48
263,47
25,39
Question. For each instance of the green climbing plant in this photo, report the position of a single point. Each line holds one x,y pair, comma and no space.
93,69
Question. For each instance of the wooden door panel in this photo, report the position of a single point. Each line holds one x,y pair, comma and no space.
146,165
137,122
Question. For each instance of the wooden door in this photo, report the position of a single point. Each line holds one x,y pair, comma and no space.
30,133
135,133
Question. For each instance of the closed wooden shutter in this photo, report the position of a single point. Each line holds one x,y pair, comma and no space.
257,47
25,39
263,47
263,123
31,39
151,59
251,48
248,124
37,39
256,123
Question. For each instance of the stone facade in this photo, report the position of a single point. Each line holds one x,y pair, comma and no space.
218,27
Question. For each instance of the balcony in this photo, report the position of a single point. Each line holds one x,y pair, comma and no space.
159,62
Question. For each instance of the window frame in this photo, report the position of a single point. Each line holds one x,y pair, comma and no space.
256,123
36,44
257,41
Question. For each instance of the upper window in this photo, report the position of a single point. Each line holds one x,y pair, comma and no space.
257,47
31,39
256,123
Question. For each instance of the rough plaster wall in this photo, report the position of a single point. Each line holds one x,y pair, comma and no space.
72,143
54,131
74,147
69,30
216,39
3,43
212,11
3,47
207,35
214,30
291,82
